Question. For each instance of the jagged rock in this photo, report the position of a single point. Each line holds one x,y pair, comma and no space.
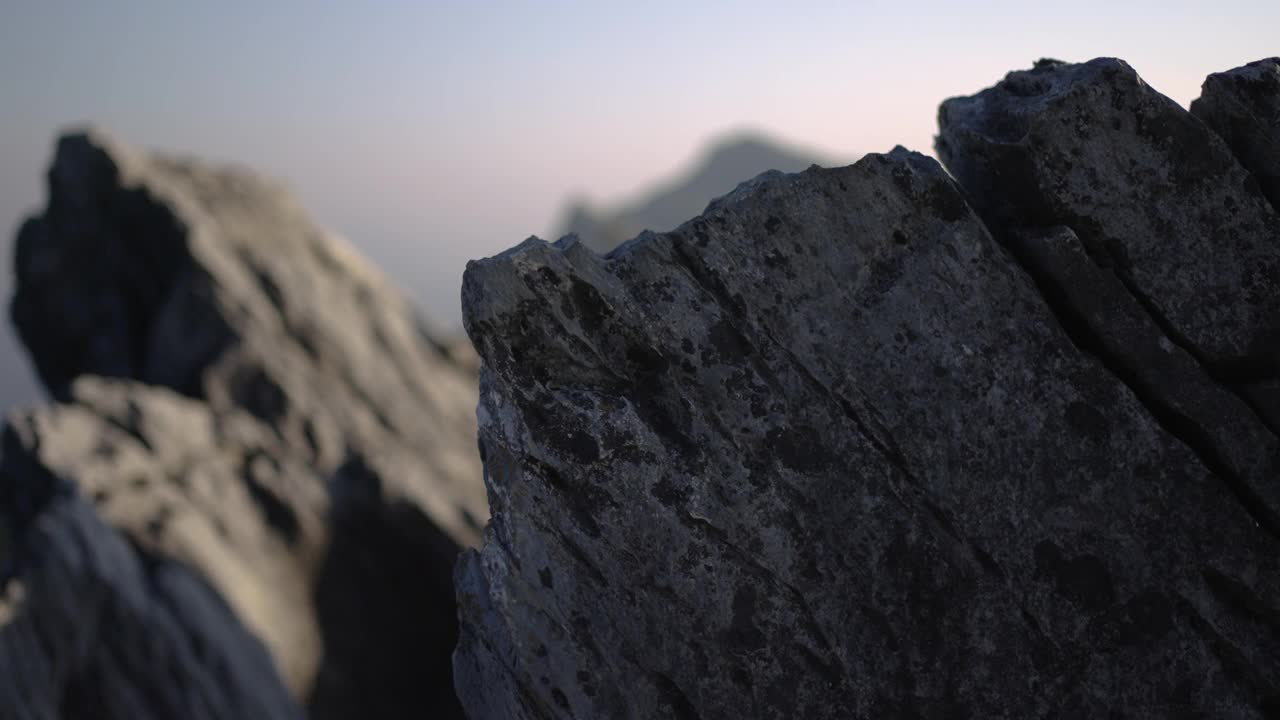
1243,106
829,451
1150,191
96,629
213,282
218,493
727,162
241,396
1154,241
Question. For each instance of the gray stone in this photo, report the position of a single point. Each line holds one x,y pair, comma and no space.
242,399
827,451
1243,106
92,626
1163,239
725,163
213,282
1150,191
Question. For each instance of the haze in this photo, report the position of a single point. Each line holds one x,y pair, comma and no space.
430,133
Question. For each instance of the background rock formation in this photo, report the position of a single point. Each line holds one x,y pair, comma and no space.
246,405
844,446
726,163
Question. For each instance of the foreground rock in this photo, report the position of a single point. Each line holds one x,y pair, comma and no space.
832,450
241,397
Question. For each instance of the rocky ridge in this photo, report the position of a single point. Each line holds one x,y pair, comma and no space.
884,441
258,468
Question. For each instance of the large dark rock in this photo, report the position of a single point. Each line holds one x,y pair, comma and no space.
1243,106
1152,193
240,396
830,450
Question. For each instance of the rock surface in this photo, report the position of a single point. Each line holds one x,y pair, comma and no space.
836,449
94,627
1243,106
246,405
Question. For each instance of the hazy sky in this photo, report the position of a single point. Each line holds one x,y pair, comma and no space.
433,132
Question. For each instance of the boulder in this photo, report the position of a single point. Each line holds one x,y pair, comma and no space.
1243,106
832,449
241,397
1151,241
93,626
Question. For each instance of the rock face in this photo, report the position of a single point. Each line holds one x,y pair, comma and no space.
726,163
1243,106
864,442
250,414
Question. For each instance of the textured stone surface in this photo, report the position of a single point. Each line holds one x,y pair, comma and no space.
829,450
1150,191
1243,106
242,399
213,282
95,628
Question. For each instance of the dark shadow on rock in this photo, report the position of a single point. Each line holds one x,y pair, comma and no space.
388,568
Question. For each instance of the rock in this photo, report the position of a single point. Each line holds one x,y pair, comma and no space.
1150,191
97,628
1243,106
213,282
1151,241
727,162
830,451
240,396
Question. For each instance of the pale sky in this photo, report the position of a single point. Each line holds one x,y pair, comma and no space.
433,132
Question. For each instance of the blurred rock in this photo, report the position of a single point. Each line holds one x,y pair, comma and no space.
241,396
96,624
834,449
1152,240
726,163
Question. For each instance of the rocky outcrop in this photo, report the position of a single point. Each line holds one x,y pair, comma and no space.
1243,106
1154,241
93,625
245,404
868,442
727,162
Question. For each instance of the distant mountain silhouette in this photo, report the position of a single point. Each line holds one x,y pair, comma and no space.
727,162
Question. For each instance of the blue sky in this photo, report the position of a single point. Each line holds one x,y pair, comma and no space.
433,132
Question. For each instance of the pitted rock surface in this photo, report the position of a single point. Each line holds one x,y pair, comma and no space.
1243,106
828,451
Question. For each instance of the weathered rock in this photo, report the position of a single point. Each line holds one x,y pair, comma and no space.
213,282
1152,241
1151,192
242,397
827,452
96,627
1243,106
